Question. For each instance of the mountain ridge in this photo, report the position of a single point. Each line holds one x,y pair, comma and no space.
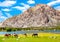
40,15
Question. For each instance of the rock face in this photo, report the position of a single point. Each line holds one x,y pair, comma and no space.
0,24
40,15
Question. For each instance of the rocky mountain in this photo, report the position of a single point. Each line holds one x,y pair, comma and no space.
39,15
1,24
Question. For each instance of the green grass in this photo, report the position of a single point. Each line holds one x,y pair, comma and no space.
30,39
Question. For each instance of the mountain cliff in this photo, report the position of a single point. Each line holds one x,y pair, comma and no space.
39,15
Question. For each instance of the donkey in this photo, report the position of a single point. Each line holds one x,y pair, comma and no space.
15,35
25,34
35,35
7,35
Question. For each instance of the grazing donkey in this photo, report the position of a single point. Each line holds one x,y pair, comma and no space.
25,34
7,35
15,35
35,35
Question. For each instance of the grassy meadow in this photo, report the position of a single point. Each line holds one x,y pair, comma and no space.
42,37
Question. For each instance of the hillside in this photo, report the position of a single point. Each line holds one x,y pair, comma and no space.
39,15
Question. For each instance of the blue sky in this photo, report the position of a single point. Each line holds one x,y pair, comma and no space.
10,8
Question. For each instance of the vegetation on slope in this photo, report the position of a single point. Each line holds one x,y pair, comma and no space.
29,28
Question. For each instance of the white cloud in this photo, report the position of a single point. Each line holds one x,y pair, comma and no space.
30,2
20,8
53,3
2,17
8,15
7,3
6,9
57,8
25,7
1,14
9,0
58,0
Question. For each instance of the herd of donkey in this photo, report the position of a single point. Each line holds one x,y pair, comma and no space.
16,35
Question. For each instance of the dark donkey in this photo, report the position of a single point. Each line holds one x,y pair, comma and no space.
7,35
15,35
25,34
35,35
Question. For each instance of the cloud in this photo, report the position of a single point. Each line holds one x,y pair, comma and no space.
9,0
8,15
6,9
20,8
2,17
1,14
7,3
31,2
57,8
53,3
57,0
25,7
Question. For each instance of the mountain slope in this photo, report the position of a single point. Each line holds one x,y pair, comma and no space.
40,15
